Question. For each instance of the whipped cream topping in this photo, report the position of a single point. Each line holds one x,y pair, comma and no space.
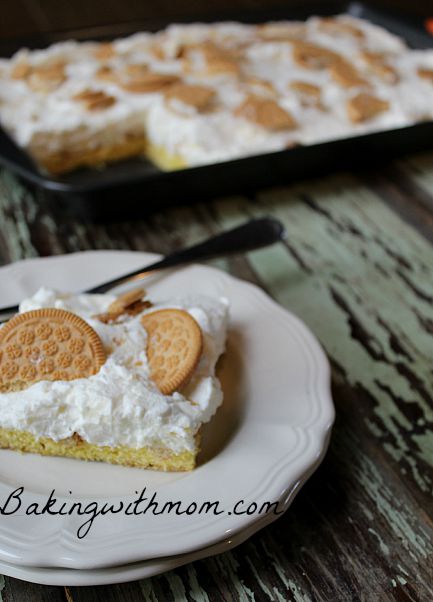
120,405
216,135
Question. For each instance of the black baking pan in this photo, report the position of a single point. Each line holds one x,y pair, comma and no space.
136,185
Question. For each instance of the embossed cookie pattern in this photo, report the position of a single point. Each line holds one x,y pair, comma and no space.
47,344
174,347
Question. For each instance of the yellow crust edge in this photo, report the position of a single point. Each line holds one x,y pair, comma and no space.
68,159
163,159
74,447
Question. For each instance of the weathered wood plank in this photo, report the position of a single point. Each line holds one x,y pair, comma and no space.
370,275
419,168
16,590
124,592
402,193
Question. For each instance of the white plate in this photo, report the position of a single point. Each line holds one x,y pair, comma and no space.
268,436
136,570
121,573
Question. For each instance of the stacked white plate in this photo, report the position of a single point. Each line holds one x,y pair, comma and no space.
264,442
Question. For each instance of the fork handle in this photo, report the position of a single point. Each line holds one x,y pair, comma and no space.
255,234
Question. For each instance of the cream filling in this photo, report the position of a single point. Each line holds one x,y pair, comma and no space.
120,405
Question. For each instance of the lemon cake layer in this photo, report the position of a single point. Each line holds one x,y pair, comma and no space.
164,159
156,458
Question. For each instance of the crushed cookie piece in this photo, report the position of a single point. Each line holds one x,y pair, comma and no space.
126,299
346,75
48,77
365,106
281,32
377,63
199,97
95,100
266,113
138,307
148,82
312,56
158,52
106,73
261,86
309,94
21,70
107,317
217,60
104,51
426,74
130,303
77,439
336,27
137,70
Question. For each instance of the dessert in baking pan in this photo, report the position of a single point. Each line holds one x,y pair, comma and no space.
203,93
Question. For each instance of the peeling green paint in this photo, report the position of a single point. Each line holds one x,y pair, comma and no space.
420,169
297,591
225,567
196,592
363,272
13,194
383,547
404,526
176,586
265,589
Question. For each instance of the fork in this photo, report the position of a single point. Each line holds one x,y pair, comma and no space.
254,234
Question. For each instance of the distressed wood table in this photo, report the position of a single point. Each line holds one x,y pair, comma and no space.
358,269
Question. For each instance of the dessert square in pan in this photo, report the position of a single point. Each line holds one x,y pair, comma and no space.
204,93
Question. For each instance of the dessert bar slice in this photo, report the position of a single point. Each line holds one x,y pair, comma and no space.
120,380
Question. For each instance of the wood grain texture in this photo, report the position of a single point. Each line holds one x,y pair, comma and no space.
357,267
